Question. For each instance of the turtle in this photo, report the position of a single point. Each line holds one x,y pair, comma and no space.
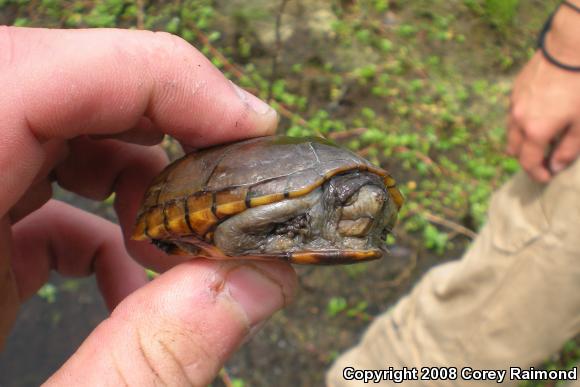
301,200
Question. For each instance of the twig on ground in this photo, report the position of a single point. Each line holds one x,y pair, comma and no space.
449,224
140,14
405,274
345,135
228,65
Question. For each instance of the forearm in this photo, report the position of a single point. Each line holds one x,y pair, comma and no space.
563,40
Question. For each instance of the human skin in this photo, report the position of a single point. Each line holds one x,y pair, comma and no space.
544,117
84,108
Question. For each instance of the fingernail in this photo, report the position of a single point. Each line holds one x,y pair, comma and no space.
556,166
255,103
258,295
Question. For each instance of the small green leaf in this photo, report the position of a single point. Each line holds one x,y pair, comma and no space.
48,292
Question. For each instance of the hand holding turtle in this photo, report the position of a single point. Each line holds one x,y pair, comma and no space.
545,106
81,107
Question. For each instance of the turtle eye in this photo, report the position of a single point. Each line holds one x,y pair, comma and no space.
351,200
360,211
367,202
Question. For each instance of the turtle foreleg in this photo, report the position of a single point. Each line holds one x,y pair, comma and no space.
256,229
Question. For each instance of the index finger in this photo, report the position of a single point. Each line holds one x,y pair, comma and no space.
65,83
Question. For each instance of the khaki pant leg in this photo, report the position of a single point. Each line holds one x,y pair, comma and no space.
512,300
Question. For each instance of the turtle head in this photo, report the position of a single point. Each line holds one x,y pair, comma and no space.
344,220
357,211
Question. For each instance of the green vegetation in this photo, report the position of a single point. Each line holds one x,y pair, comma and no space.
418,87
565,360
418,106
48,292
339,305
335,306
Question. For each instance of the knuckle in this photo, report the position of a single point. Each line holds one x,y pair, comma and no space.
161,50
164,356
174,44
536,132
120,371
518,113
151,361
154,364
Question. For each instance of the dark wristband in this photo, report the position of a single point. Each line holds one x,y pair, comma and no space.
573,6
542,40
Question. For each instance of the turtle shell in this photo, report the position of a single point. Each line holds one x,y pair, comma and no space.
197,192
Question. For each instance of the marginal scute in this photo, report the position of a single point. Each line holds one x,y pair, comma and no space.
154,223
201,220
139,232
230,201
175,215
266,199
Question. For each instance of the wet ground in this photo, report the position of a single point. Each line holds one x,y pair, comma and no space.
46,334
50,327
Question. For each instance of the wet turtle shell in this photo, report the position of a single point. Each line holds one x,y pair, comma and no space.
198,193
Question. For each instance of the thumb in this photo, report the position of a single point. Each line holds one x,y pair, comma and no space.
61,84
180,328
